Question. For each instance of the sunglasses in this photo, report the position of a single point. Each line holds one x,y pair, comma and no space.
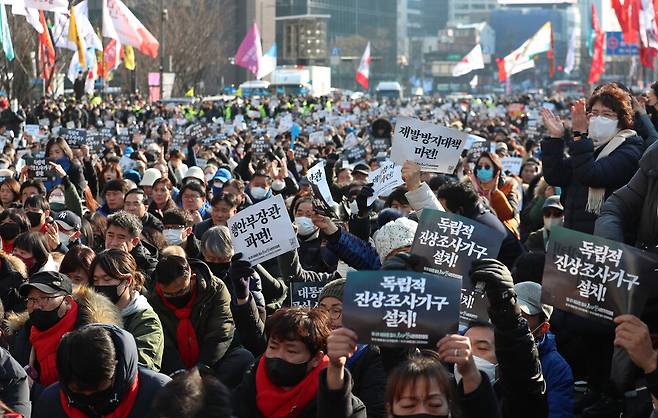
484,167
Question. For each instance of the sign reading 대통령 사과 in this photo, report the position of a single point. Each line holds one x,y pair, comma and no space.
596,278
263,231
400,308
449,243
305,293
435,148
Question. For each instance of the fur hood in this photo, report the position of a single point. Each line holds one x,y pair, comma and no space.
15,263
93,308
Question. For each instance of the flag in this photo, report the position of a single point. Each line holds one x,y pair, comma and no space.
5,34
551,59
111,57
61,31
570,62
363,73
474,60
58,6
521,58
621,14
598,64
121,24
190,92
250,52
31,15
92,72
474,81
129,58
74,36
46,51
268,63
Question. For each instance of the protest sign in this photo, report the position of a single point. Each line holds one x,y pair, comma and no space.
305,293
449,243
351,140
301,152
106,133
596,278
512,165
476,151
74,137
316,138
93,140
400,308
380,145
355,154
263,231
33,130
197,131
38,168
45,122
386,178
472,139
260,146
435,148
318,176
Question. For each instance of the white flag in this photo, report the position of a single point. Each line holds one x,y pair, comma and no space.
121,24
31,15
570,63
59,6
522,58
86,31
267,63
474,60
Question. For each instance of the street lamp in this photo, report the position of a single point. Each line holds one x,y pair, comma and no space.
163,18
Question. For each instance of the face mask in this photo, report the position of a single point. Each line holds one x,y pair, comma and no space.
217,184
354,208
484,366
209,176
549,223
28,261
278,185
283,373
180,301
484,174
601,130
219,270
9,231
111,291
258,193
299,167
63,238
102,403
305,225
421,416
44,320
34,218
173,236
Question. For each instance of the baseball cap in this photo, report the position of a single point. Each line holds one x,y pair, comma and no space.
223,175
47,282
528,296
68,220
361,168
553,202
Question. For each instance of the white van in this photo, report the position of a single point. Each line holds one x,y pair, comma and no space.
389,89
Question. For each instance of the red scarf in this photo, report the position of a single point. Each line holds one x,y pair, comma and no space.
45,344
7,246
275,402
188,346
124,408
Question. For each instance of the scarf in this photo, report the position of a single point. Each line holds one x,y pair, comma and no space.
188,346
45,344
275,402
122,410
596,196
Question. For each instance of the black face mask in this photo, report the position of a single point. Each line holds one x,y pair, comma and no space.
34,218
44,320
9,231
180,301
420,416
283,373
101,403
111,292
219,269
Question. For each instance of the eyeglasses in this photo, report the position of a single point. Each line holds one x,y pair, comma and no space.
39,300
333,313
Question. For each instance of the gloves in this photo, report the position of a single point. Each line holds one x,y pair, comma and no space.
404,261
240,273
362,199
497,279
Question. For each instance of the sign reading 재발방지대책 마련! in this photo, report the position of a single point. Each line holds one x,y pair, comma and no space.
596,278
263,231
449,243
435,148
400,308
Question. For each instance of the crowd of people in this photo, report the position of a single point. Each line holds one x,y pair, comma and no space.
122,294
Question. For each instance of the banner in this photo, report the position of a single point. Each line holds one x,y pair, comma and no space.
435,148
263,231
386,178
318,176
400,308
449,244
596,278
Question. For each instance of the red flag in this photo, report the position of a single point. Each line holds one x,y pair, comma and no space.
363,73
647,56
111,57
632,33
598,65
502,75
46,51
621,14
551,58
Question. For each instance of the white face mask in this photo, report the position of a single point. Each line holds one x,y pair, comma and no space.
278,185
482,365
63,238
601,130
173,236
549,223
354,208
305,225
54,199
299,167
258,193
209,177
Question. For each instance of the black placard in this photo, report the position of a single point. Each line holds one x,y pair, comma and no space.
74,137
355,154
305,293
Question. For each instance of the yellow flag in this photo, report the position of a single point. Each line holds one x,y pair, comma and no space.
190,92
74,36
129,57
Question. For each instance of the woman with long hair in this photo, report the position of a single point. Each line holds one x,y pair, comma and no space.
59,152
161,198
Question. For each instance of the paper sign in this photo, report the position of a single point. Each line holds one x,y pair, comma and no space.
400,308
38,168
260,146
45,122
449,244
435,148
263,231
318,176
74,137
316,138
472,139
350,141
355,154
305,293
476,151
512,165
386,178
596,278
380,145
301,152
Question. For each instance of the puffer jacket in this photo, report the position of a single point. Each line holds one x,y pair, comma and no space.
357,253
578,172
313,255
14,387
559,379
143,323
12,274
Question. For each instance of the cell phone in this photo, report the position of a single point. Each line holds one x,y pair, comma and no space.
49,220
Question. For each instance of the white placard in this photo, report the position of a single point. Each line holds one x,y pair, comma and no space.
32,130
316,138
350,141
318,176
435,148
386,178
263,231
512,165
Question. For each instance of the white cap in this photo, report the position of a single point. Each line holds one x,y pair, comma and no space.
195,172
150,176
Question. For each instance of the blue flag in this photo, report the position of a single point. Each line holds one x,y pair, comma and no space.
5,35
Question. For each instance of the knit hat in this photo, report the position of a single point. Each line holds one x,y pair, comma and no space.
396,234
334,289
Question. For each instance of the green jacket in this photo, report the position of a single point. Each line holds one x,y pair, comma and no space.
143,323
211,318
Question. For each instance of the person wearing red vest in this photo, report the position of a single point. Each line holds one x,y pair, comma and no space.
99,376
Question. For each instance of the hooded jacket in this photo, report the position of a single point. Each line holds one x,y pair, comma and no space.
150,383
211,318
12,274
144,324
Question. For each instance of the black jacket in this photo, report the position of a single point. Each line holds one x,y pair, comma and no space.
149,382
14,387
146,258
150,221
10,280
312,254
369,379
77,177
